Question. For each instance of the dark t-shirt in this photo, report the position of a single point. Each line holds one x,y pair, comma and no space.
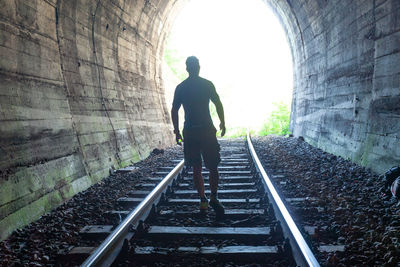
195,94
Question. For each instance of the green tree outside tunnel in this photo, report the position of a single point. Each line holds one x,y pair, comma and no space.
278,121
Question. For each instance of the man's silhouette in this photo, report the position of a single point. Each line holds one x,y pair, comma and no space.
199,133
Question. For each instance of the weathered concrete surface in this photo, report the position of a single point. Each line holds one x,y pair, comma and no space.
81,89
346,58
80,92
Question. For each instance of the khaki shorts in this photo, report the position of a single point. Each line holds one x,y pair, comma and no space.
201,142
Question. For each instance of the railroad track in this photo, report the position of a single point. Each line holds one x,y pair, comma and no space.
159,222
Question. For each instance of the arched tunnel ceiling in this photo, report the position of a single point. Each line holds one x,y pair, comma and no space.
82,92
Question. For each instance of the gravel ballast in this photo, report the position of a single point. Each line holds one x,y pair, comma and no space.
346,204
39,243
355,212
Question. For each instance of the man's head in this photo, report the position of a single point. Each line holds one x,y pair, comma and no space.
193,66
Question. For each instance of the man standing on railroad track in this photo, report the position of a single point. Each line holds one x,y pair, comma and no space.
199,133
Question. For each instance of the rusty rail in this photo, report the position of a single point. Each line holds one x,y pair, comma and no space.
107,247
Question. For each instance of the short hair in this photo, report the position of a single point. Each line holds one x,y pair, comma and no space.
192,62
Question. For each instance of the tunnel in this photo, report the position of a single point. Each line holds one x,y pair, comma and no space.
82,90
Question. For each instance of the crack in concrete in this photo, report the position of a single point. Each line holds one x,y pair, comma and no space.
118,158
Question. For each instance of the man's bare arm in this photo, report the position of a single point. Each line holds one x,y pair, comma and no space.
220,112
175,122
175,119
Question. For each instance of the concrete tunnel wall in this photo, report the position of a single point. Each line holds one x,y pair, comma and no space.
81,89
346,57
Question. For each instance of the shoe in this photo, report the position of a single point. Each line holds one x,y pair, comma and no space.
217,206
203,205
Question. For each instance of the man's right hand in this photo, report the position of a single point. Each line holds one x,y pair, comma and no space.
178,138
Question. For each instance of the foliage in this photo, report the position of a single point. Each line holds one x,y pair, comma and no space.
234,132
278,121
175,61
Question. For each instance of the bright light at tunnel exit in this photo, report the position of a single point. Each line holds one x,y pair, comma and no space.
242,49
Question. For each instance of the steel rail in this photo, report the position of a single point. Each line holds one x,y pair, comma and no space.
301,251
99,255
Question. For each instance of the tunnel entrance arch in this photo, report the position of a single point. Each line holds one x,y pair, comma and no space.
248,60
345,77
282,12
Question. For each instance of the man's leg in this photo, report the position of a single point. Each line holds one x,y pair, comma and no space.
214,178
198,181
199,184
214,202
212,158
193,158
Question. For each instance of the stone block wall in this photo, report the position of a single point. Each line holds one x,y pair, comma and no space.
346,58
80,92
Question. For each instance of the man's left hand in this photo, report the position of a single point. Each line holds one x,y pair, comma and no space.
222,127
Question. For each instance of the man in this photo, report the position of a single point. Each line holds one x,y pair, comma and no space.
199,133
